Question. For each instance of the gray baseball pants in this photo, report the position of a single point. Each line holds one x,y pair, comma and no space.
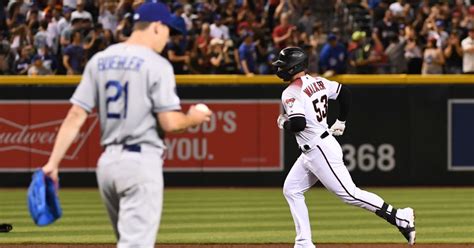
131,186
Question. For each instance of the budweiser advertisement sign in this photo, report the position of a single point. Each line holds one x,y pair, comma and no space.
241,136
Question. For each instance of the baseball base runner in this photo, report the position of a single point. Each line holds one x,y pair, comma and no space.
305,101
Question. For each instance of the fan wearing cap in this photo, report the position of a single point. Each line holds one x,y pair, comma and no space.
134,90
37,67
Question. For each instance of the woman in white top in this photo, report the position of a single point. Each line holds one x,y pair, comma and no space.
433,59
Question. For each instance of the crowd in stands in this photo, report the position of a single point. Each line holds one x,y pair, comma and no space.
42,37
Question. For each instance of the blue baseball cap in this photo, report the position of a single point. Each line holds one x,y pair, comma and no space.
155,11
332,36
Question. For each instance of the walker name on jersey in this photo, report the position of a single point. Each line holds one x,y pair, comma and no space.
313,88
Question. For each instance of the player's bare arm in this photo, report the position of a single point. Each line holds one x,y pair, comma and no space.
68,131
176,121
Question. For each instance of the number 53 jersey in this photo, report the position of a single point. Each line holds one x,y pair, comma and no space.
128,84
308,97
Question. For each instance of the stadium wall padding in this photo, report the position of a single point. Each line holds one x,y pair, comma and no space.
400,132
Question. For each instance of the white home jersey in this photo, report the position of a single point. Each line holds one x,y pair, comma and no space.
133,83
308,97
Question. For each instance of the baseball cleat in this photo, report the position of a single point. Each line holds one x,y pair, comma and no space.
409,231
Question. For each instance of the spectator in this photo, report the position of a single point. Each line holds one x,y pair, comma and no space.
70,3
282,33
365,55
94,42
413,56
218,56
188,16
80,13
66,35
306,22
65,20
400,9
433,59
439,34
468,18
23,62
453,54
176,53
41,37
108,16
468,49
7,59
108,38
19,38
396,55
37,67
47,13
49,62
317,38
385,27
313,59
218,29
378,12
455,24
53,30
333,57
231,66
125,27
247,55
203,39
32,21
15,17
74,57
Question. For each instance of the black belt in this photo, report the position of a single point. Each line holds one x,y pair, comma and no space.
307,147
130,148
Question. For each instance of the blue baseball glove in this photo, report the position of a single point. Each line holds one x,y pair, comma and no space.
43,201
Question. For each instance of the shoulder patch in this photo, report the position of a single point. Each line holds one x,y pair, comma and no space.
290,102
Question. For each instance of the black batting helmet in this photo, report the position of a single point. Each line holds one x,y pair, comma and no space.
291,60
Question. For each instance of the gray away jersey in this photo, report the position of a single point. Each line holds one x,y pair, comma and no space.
128,84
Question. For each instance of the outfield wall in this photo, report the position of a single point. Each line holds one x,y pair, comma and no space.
402,130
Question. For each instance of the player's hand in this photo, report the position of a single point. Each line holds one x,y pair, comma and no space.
338,127
282,118
199,116
51,170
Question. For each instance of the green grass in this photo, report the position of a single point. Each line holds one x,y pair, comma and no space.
443,215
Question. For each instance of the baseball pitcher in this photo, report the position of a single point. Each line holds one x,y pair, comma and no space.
305,101
132,87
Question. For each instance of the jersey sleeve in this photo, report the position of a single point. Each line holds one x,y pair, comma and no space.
86,93
163,89
333,88
292,102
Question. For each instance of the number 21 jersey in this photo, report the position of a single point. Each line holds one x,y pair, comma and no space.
128,84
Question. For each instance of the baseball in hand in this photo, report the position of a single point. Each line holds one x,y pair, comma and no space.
202,107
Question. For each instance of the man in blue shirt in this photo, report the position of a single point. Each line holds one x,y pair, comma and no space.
247,55
74,58
333,58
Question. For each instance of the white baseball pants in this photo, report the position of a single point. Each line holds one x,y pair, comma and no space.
131,186
323,162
